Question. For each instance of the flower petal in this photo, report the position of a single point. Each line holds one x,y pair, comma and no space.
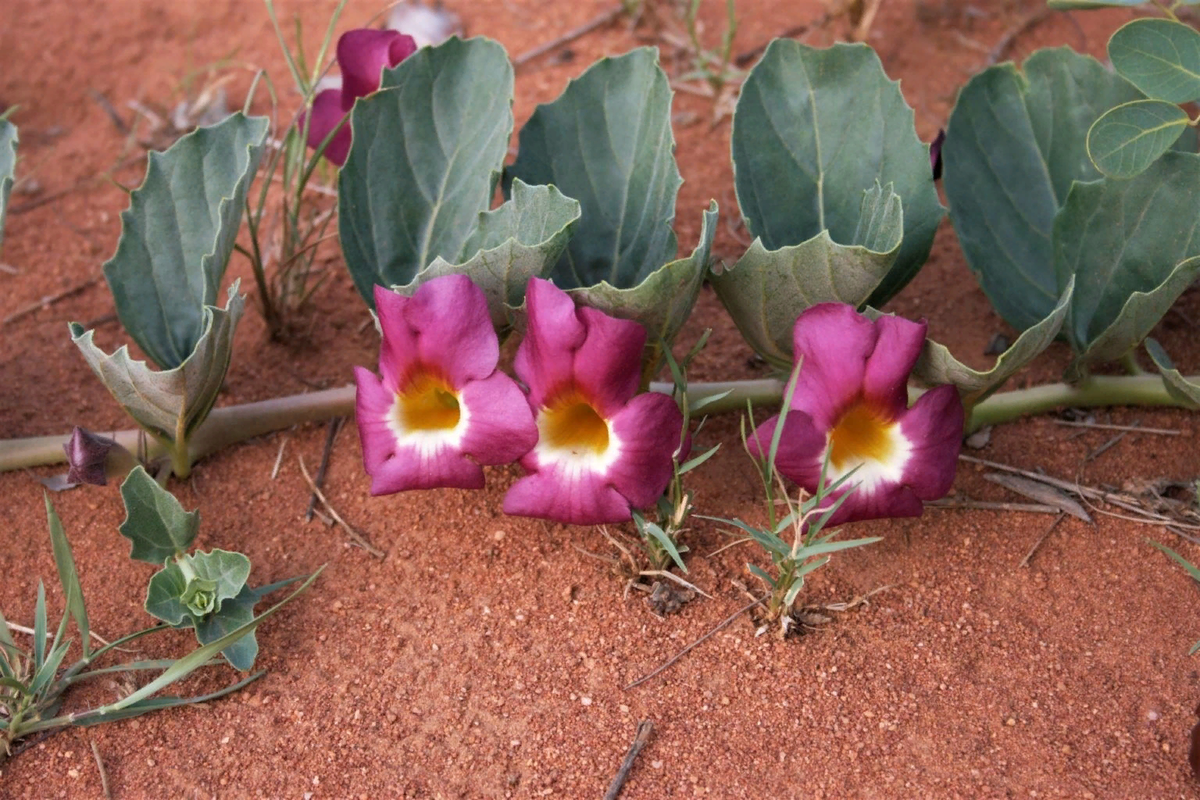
934,426
363,54
440,467
885,381
608,365
557,493
801,448
373,402
454,330
648,431
882,501
545,360
500,428
398,350
832,343
327,114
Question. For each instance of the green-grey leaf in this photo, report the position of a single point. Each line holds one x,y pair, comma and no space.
1129,138
178,233
1132,246
607,142
767,289
1014,146
1159,56
68,576
937,366
164,595
154,520
1177,386
813,130
521,239
427,150
225,570
663,301
170,404
8,167
234,613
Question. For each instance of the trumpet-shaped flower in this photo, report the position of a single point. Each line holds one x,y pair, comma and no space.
439,407
603,449
850,406
362,55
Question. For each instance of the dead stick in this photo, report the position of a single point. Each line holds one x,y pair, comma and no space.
644,729
1038,543
331,433
359,539
49,300
1067,423
100,766
691,646
571,35
984,505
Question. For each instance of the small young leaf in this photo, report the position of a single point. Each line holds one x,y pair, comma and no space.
761,574
1129,138
154,520
164,596
1159,56
655,532
793,591
178,234
226,572
234,613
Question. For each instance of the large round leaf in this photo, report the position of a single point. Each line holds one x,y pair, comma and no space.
1132,246
426,153
1159,56
813,130
607,142
1015,144
1130,137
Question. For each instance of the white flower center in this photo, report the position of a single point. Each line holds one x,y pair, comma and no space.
428,414
869,441
573,435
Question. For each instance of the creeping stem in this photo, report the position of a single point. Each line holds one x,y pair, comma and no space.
226,426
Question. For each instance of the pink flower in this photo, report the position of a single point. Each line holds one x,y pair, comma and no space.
362,54
851,403
440,408
603,449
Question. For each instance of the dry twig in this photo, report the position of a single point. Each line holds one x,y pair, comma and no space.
667,664
100,766
1042,538
331,433
50,300
644,729
358,538
599,21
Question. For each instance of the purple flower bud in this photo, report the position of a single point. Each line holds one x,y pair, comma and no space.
88,456
935,153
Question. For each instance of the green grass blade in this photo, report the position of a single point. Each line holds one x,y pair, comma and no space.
69,576
1183,562
39,628
46,674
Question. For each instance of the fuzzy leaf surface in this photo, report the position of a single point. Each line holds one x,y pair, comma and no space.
607,142
178,233
813,130
235,613
173,403
1015,143
426,154
155,522
767,289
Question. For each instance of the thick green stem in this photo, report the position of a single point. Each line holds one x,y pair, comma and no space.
1098,390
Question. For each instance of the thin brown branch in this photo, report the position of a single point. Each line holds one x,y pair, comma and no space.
667,664
358,538
644,729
